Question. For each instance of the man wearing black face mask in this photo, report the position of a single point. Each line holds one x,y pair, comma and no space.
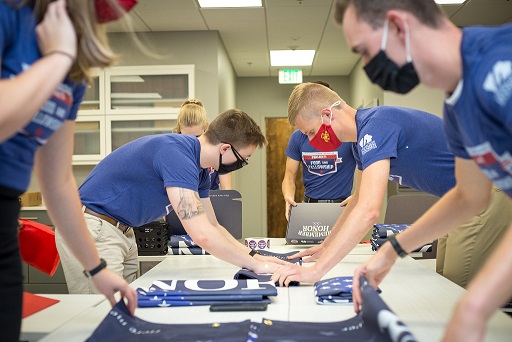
474,67
142,180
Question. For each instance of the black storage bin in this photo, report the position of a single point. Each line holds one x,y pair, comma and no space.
152,238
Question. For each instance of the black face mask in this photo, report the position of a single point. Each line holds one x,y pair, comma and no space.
227,168
387,74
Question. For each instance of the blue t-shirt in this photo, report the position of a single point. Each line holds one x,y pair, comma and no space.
478,115
326,175
129,184
413,141
214,179
18,50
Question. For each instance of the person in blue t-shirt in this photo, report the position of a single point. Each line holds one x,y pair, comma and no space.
327,175
192,120
386,144
402,42
144,179
44,66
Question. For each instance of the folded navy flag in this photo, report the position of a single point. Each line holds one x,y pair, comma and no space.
378,242
187,251
386,230
119,325
375,323
164,293
334,290
184,245
182,241
381,232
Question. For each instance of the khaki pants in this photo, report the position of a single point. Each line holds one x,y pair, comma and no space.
462,252
119,251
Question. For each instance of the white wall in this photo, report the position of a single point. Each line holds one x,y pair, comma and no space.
226,80
422,98
200,48
362,91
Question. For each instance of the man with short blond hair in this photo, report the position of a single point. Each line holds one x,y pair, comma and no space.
387,144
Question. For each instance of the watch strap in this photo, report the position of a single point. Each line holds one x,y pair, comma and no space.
95,270
396,246
253,252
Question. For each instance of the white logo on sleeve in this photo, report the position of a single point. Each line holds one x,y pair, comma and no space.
367,144
499,82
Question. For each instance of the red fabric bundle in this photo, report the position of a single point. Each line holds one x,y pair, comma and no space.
37,246
106,13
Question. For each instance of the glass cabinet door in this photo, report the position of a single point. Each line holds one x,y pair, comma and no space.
89,145
148,89
93,101
125,129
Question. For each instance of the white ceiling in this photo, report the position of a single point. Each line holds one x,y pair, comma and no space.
248,34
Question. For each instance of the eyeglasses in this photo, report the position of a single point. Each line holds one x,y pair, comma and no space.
239,157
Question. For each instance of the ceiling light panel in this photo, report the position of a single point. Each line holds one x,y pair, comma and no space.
291,57
229,3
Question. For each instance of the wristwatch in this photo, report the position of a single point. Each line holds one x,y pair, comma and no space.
95,270
253,252
396,246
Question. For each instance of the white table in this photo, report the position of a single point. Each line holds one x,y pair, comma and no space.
419,296
40,324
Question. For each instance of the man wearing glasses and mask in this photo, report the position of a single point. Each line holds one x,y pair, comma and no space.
142,180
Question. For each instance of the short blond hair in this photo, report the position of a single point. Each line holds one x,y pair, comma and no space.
308,99
192,113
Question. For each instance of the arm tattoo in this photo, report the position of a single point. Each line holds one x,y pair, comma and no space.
190,205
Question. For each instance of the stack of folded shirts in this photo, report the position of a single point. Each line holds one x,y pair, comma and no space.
184,245
334,290
381,232
165,293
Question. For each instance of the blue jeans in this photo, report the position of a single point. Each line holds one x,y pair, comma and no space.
11,277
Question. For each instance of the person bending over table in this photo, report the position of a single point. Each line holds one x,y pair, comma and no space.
404,42
140,181
387,144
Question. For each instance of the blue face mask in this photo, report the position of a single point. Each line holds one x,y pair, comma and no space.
387,74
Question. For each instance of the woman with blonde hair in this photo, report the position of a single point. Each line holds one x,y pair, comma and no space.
47,50
192,119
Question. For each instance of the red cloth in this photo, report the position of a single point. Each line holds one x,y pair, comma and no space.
37,246
33,303
106,13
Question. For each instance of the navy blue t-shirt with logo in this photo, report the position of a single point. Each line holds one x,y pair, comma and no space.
414,142
326,175
478,115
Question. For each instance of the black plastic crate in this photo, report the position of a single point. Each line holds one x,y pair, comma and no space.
152,238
